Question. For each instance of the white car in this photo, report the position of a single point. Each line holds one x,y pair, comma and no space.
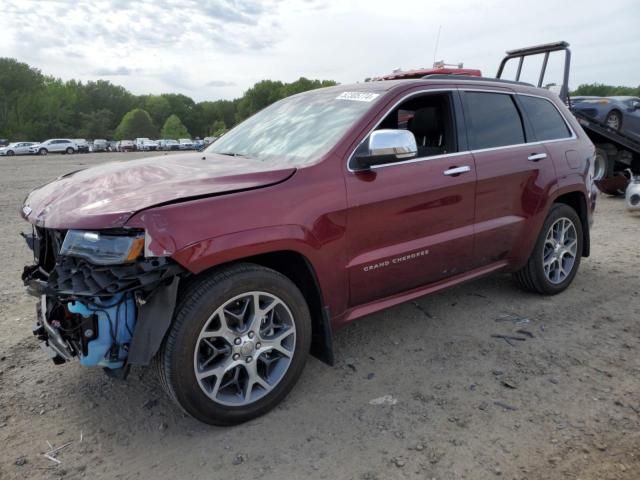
186,144
54,145
168,144
17,148
98,145
144,144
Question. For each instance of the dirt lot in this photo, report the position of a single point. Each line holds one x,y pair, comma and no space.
563,404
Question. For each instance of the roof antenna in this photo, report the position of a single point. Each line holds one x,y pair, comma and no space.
435,50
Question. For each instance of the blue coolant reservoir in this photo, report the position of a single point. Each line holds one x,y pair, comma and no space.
116,322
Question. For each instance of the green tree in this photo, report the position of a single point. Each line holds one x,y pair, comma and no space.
96,124
218,128
174,128
602,90
134,124
21,88
158,107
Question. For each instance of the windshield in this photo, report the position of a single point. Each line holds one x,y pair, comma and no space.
298,129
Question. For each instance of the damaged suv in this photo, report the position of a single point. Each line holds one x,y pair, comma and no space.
226,268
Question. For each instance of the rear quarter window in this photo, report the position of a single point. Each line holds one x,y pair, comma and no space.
494,120
547,122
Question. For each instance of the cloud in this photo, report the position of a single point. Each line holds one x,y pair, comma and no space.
220,83
211,49
115,72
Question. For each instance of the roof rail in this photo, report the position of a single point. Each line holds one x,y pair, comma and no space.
440,76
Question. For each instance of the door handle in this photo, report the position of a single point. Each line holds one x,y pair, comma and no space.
457,170
534,157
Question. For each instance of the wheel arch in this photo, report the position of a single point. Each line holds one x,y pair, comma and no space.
299,269
578,202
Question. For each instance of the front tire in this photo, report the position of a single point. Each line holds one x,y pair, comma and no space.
555,259
43,151
238,343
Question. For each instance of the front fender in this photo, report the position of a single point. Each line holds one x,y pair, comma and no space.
210,252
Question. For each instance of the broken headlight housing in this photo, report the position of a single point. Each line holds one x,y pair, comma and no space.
102,248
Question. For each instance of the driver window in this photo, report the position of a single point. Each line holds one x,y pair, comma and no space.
429,118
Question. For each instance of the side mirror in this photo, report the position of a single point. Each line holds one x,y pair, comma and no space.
635,106
385,146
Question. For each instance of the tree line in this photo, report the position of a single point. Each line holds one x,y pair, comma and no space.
35,106
601,90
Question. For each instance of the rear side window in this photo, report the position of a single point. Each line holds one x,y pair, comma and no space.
495,120
547,122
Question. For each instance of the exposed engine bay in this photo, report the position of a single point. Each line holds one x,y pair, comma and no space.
105,310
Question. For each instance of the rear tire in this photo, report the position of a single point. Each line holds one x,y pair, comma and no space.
555,259
225,360
603,165
69,151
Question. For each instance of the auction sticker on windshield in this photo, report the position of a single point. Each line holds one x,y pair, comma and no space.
358,96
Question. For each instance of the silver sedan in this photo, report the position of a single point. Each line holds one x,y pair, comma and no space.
17,148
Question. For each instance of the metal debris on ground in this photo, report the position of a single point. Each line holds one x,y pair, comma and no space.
384,400
504,406
522,331
510,317
509,338
53,452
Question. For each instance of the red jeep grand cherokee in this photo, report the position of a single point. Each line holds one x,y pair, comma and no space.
228,267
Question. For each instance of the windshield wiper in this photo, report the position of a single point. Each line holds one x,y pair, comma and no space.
232,154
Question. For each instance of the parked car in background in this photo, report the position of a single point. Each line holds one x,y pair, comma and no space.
83,145
111,145
99,145
54,145
186,144
145,145
209,140
198,144
125,146
168,144
620,113
17,148
4,142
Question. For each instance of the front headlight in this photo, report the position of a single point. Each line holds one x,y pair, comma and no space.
102,249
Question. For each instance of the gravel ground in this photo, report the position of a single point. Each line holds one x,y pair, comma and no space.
422,390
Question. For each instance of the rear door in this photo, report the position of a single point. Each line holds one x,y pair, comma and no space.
410,223
513,176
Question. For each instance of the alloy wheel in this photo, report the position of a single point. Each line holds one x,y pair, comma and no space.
245,348
560,250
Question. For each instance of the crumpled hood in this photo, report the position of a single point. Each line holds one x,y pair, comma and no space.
107,195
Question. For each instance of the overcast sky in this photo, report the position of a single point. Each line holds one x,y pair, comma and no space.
211,49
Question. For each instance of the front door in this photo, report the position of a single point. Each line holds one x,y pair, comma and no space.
410,223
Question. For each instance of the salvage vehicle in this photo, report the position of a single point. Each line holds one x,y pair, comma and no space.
185,144
82,144
17,148
99,145
54,145
145,145
168,144
125,146
619,113
226,268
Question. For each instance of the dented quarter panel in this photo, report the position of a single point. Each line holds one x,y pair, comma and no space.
106,196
